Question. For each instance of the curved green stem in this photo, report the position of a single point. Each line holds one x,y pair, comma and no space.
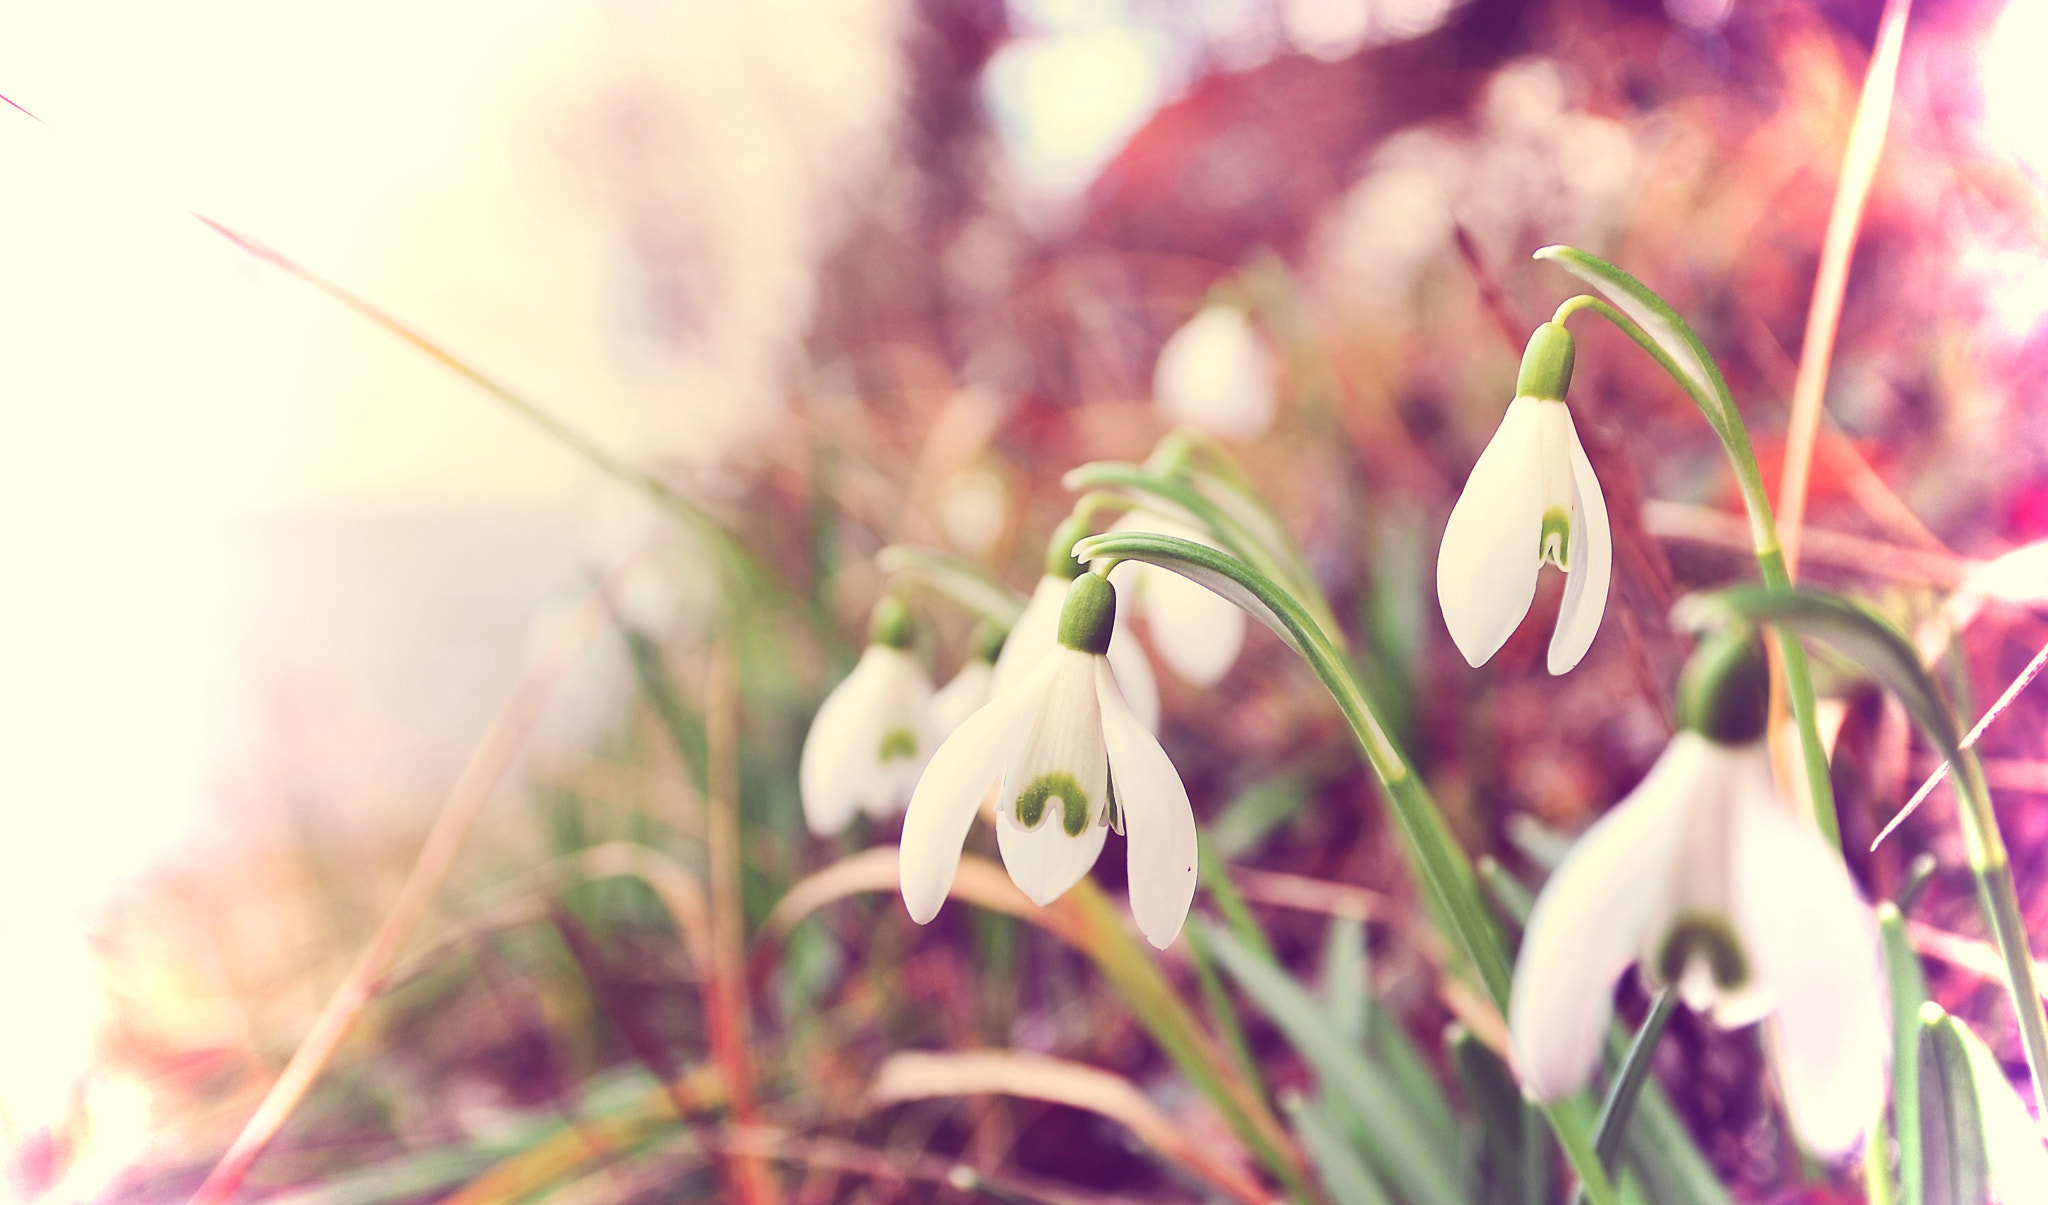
1710,393
1884,652
1449,886
1229,529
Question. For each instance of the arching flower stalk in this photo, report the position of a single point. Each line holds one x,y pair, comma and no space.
1070,760
1194,631
873,735
1531,500
1707,882
1036,631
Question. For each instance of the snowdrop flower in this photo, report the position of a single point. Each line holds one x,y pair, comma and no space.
872,737
970,688
1532,499
1036,632
1069,761
1215,375
1196,631
1707,882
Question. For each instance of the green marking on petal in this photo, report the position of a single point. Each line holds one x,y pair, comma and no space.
1055,784
1555,544
1701,934
898,742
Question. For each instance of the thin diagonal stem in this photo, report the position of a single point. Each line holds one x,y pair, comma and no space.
1941,771
1770,554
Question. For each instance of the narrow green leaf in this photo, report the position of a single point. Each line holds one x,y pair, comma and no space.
2012,1140
1908,993
1423,1172
685,727
1504,1121
1952,1130
1627,1085
1221,1011
1388,1043
1345,995
1256,811
1343,1173
1244,926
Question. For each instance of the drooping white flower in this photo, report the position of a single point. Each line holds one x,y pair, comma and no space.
1070,760
1707,882
1215,375
1036,633
1532,499
1196,631
873,735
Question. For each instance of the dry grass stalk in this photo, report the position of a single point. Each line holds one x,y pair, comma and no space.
479,780
916,1075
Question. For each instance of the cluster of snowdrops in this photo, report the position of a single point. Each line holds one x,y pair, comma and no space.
1721,894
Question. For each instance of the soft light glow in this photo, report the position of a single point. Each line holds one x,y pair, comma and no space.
1065,103
2015,91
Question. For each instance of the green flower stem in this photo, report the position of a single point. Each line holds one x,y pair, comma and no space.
1722,416
2001,902
1885,653
1240,540
1629,1079
1440,866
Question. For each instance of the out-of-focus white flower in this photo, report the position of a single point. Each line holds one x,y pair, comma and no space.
1531,499
1036,634
1705,880
1215,375
1196,631
973,509
873,735
1070,760
971,687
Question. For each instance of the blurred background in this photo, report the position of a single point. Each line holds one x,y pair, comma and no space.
843,275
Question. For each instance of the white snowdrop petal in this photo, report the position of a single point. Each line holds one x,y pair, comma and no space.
1034,634
1134,674
906,739
1198,634
840,757
2012,1142
1214,374
943,806
1810,938
962,697
1064,749
1486,566
1194,631
1158,820
1590,921
1592,561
